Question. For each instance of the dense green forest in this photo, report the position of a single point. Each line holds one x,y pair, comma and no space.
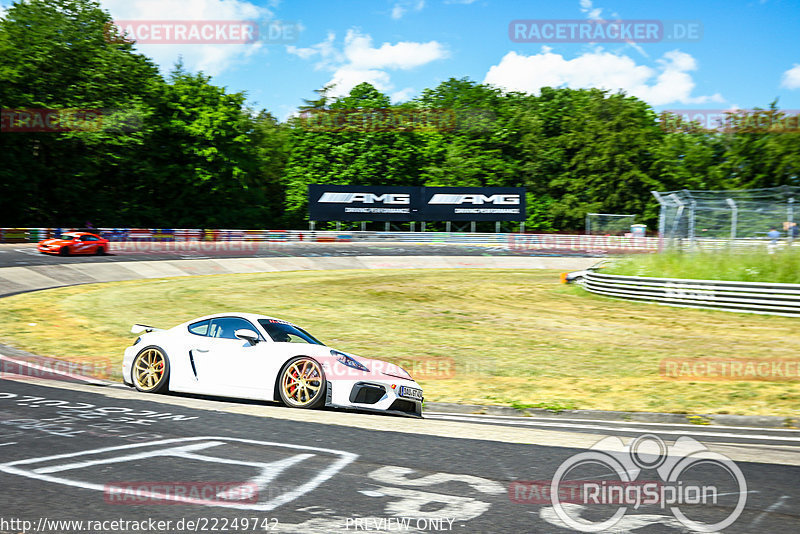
179,151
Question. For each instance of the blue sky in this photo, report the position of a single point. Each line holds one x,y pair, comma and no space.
748,55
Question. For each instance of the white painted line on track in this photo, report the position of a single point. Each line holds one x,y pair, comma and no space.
576,420
174,451
268,470
628,429
10,443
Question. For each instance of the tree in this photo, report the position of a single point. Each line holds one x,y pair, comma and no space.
54,54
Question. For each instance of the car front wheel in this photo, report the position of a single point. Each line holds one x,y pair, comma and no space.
302,383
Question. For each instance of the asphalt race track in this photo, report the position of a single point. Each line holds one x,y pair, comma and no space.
116,460
26,254
66,460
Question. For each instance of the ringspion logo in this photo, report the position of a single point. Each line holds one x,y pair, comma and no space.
704,491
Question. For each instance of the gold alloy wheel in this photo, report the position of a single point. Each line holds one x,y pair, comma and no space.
149,369
301,383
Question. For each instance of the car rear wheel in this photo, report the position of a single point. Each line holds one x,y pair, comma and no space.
150,370
100,251
302,383
63,251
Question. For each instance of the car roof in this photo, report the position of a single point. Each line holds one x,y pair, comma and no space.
252,317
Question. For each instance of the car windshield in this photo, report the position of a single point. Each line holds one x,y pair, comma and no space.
287,333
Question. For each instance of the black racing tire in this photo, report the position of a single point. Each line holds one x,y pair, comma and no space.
150,370
301,383
100,251
63,251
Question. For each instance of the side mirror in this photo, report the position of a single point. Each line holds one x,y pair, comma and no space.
247,335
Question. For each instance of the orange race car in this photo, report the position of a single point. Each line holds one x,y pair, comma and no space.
75,243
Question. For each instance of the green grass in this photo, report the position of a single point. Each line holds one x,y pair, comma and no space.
516,338
754,266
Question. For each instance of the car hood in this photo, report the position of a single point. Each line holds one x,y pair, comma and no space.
377,369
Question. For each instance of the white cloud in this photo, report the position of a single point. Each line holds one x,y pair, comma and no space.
210,58
359,61
668,83
325,51
402,95
358,50
791,78
347,77
463,2
593,13
404,6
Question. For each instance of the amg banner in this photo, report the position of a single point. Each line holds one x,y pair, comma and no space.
473,203
390,203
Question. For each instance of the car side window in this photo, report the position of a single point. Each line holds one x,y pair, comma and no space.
199,328
89,238
226,327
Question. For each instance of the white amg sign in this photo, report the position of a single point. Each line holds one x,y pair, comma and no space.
474,199
364,198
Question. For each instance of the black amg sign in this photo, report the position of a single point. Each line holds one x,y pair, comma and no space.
389,203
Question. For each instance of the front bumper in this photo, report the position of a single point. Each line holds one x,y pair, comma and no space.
49,249
374,396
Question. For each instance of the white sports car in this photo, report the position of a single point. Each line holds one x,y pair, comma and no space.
250,356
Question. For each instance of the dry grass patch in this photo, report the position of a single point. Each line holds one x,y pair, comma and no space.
516,337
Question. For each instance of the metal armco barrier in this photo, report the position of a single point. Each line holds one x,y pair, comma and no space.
744,297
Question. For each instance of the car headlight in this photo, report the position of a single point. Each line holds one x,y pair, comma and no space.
349,361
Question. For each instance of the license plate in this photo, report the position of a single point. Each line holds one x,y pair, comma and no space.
410,393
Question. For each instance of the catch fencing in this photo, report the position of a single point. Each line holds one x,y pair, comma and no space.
689,217
746,297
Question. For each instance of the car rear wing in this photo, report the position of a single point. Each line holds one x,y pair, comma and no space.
139,328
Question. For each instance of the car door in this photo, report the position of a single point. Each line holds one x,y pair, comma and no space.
85,245
93,243
224,364
184,357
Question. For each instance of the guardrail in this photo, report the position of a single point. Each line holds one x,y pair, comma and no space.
745,297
